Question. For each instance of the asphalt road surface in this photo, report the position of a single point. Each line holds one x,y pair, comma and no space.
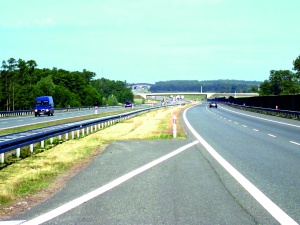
11,122
235,167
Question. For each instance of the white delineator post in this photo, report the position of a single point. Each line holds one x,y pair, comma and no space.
174,127
96,110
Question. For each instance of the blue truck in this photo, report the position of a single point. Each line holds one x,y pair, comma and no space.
44,105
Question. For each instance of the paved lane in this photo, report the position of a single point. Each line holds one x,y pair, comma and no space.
11,122
182,189
259,147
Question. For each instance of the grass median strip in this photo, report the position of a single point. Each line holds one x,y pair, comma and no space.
62,121
32,180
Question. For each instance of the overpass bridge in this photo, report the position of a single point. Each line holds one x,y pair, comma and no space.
207,95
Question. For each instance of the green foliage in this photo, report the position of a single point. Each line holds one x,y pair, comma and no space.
218,86
297,66
280,82
112,100
21,82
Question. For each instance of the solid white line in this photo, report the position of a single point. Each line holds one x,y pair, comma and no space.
244,126
271,135
78,201
273,121
270,206
12,222
295,143
256,130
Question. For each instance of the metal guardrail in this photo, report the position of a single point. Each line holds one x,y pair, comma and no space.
17,140
275,111
56,110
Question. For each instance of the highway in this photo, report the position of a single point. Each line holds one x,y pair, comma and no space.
11,122
181,182
265,149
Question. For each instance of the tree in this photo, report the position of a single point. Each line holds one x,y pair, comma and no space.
4,87
265,88
296,63
12,64
31,64
45,87
112,100
126,95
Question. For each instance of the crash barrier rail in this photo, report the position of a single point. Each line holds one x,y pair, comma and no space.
28,138
56,110
274,111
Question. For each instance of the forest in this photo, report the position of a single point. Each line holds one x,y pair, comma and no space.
21,82
280,82
218,86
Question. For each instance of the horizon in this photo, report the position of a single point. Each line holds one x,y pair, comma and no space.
156,41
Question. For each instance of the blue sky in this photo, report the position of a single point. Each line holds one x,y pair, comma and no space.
150,41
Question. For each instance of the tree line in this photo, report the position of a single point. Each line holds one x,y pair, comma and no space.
21,82
218,86
282,82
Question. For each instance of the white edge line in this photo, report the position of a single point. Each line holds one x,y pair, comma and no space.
78,201
270,206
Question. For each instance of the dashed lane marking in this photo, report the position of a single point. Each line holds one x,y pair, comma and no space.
259,196
295,143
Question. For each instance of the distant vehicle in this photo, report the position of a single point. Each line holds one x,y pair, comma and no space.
213,104
44,105
128,104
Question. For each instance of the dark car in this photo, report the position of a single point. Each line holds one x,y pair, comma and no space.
213,104
128,104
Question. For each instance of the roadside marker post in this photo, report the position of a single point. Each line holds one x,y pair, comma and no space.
96,110
174,127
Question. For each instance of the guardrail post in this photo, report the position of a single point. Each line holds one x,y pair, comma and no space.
87,130
67,136
42,144
18,152
59,137
78,133
72,134
2,158
83,131
51,140
31,148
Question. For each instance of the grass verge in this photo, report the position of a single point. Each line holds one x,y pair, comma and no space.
34,179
